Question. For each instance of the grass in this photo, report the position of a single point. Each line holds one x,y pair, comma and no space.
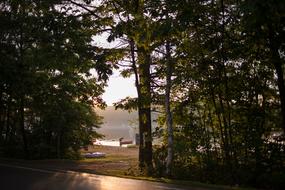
108,159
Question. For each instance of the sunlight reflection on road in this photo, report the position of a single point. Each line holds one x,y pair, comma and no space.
26,178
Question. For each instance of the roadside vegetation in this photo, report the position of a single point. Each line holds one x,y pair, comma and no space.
213,69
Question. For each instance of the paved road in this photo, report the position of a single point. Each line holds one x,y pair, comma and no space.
25,178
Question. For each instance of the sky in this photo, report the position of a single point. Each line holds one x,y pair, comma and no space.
119,88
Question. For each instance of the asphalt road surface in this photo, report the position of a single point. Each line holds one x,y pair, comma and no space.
25,178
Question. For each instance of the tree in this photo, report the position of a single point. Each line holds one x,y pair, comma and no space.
266,33
134,26
47,90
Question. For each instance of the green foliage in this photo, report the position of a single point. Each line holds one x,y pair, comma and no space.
225,98
227,61
127,103
226,81
47,92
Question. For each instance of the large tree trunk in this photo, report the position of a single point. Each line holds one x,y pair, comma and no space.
21,93
144,90
274,44
141,143
169,122
145,110
144,106
281,87
2,117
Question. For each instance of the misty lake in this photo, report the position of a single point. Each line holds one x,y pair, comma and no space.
119,123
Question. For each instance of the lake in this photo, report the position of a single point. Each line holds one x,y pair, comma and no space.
119,123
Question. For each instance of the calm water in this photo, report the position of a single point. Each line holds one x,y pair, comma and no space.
119,123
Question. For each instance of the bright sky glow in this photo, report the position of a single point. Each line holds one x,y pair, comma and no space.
119,88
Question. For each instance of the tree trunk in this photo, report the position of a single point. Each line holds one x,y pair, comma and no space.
58,145
169,122
281,87
277,62
134,67
2,118
274,44
22,127
21,93
145,111
7,123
